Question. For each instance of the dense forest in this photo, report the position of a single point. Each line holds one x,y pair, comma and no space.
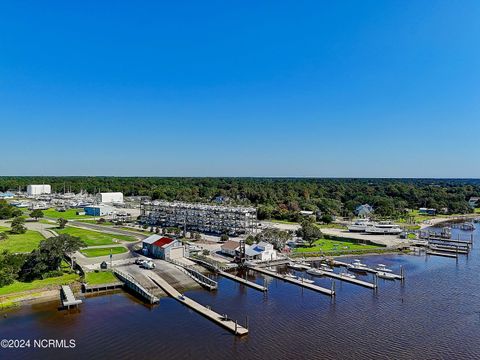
281,198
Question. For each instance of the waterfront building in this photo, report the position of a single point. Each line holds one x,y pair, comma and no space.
262,251
231,247
164,248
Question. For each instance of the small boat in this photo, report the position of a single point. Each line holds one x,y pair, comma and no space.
357,266
382,268
325,267
290,276
315,272
468,226
385,275
294,266
347,275
308,281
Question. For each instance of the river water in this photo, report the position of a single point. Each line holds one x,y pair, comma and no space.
434,314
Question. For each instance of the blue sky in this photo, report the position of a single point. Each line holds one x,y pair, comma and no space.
240,88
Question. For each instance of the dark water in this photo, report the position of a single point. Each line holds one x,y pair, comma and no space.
435,314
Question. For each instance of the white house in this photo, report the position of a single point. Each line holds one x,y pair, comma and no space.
474,202
110,197
262,251
33,190
363,210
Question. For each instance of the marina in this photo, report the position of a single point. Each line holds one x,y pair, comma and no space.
294,281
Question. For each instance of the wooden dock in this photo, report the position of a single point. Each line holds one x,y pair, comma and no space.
294,281
367,269
347,279
448,249
208,313
68,299
102,287
444,254
453,241
243,281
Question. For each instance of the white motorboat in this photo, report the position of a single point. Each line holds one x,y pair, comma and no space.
290,276
357,266
360,225
382,268
315,272
325,267
294,266
347,275
386,275
308,281
383,228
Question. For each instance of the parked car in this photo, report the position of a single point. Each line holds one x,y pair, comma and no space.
148,265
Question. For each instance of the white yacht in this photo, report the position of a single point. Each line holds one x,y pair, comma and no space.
360,225
383,228
325,267
347,275
385,275
294,266
382,268
291,276
315,272
357,266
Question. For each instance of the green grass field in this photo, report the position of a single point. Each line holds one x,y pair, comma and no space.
20,243
70,214
95,252
101,277
18,286
334,245
94,238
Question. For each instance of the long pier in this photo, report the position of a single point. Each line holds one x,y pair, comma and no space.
448,249
367,269
208,313
347,279
453,241
444,254
68,299
294,281
243,281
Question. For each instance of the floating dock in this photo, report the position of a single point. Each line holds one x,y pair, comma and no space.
294,281
444,254
208,313
347,279
243,281
449,250
68,299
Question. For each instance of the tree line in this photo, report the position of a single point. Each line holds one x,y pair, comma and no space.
281,198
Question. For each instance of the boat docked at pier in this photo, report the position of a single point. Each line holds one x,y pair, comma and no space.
386,275
382,268
357,266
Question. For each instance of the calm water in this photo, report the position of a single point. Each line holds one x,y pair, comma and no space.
435,314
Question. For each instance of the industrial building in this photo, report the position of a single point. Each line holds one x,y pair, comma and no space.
34,190
98,210
110,198
199,217
164,248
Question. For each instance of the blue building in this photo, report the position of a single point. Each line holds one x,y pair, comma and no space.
98,210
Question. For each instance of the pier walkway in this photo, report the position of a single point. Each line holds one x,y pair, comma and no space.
208,313
68,299
347,279
135,285
294,281
243,281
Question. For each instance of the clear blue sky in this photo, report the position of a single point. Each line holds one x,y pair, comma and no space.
240,88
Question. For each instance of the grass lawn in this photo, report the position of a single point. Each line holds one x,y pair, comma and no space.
69,214
21,243
101,277
103,251
93,238
92,221
18,286
332,226
334,245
